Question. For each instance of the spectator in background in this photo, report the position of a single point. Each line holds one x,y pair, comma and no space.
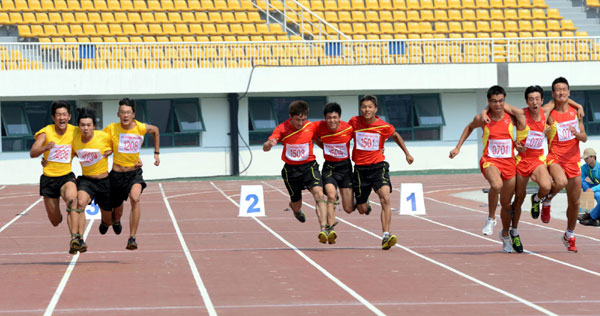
590,182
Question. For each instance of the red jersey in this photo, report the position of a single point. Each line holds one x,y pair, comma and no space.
562,144
336,144
369,140
497,139
532,136
297,143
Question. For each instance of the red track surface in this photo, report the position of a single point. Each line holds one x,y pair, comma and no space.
447,267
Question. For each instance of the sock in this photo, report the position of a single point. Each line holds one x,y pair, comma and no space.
569,233
536,198
548,200
514,232
386,234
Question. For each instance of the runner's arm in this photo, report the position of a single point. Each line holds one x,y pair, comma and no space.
269,144
153,130
581,135
477,122
38,147
398,139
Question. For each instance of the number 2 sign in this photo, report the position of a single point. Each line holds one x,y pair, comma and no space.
252,201
411,199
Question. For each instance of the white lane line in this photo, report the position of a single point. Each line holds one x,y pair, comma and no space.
2,187
65,278
446,189
209,305
524,222
20,215
335,280
464,275
17,196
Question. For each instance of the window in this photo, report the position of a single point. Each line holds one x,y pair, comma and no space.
264,114
415,116
22,119
178,120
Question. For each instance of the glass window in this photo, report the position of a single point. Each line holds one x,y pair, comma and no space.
159,112
261,116
14,121
429,111
188,116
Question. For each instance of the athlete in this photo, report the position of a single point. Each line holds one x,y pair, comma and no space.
126,179
371,171
497,163
54,142
301,170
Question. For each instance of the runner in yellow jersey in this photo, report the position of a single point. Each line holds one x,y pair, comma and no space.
54,142
126,179
92,147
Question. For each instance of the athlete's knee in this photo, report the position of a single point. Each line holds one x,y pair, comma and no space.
561,182
385,200
362,208
135,199
496,186
55,220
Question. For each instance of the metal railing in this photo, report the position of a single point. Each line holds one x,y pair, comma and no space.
192,55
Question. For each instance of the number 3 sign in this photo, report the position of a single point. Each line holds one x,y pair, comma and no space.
411,199
252,201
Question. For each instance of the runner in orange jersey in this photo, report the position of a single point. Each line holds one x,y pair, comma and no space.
564,157
497,163
371,171
301,170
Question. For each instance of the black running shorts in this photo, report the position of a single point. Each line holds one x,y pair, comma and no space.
98,189
121,183
300,177
50,186
338,173
370,177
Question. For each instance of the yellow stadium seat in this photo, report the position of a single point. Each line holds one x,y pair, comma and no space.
496,26
427,5
250,29
140,5
175,17
94,17
539,34
427,16
525,34
455,27
372,5
541,4
469,26
115,29
63,30
581,33
386,16
483,26
76,30
167,5
113,5
81,17
400,28
194,5
358,5
511,26
358,16
412,16
524,14
161,17
553,14
35,5
525,4
567,34
512,4
553,25
483,15
207,5
108,17
400,4
511,14
372,16
538,14
88,30
482,4
469,15
567,25
441,27
53,18
440,15
385,5
100,5
454,15
196,29
525,26
236,29
29,18
469,4
413,4
539,25
102,30
496,4
128,29
202,17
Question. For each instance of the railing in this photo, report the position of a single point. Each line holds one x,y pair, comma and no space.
190,55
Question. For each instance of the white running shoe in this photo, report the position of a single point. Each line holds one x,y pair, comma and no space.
506,243
488,229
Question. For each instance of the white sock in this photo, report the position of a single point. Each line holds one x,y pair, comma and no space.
569,233
548,200
385,234
536,198
514,232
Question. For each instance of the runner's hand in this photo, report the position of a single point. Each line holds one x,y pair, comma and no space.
409,159
454,152
49,145
485,118
520,147
156,160
139,164
107,153
44,162
580,113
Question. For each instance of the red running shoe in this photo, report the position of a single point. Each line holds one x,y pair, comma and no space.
569,243
546,214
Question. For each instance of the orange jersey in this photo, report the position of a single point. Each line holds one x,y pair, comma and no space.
498,138
562,144
369,140
297,143
532,136
336,144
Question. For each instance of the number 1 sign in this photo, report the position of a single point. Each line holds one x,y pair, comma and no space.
411,199
252,201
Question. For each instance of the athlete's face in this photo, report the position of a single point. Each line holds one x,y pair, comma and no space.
297,121
126,114
496,103
333,121
86,125
535,101
61,118
368,109
561,92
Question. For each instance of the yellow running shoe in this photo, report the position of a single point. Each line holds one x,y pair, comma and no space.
388,242
331,237
323,237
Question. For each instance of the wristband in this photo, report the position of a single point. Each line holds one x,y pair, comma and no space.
157,153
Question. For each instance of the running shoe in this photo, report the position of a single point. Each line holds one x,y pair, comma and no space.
388,242
516,243
569,243
590,222
117,228
103,228
583,216
546,214
131,244
506,243
300,216
369,208
331,234
74,245
323,236
535,207
82,245
488,228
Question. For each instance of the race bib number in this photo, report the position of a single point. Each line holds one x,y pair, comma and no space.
60,153
296,152
336,150
535,140
367,141
500,148
88,157
130,143
564,132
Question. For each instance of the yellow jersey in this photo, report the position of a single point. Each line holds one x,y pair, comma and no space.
60,156
91,154
126,144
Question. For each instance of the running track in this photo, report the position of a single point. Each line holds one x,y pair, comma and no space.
196,257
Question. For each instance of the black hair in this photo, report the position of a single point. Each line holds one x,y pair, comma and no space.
298,107
128,102
60,104
532,89
332,107
86,113
494,90
560,80
368,97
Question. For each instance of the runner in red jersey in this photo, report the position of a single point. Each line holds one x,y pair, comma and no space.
334,135
301,170
371,171
497,163
564,156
